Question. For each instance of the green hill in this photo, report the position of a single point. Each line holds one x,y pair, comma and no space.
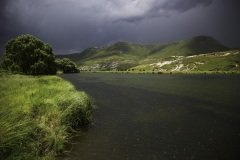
124,55
193,46
215,61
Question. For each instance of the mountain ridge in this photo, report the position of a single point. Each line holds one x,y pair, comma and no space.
124,55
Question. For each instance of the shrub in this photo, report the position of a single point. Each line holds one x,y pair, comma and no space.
66,65
28,55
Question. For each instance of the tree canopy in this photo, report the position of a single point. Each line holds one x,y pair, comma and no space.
29,55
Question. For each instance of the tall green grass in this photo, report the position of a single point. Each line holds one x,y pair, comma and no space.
38,114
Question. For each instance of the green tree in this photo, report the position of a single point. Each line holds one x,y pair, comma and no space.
29,55
66,65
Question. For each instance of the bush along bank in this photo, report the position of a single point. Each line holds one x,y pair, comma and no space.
38,115
29,55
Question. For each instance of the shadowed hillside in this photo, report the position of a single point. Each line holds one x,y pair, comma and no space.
193,46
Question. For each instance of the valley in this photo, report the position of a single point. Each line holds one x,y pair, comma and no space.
198,54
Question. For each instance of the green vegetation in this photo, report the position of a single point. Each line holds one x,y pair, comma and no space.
28,55
66,65
38,114
214,62
123,56
194,46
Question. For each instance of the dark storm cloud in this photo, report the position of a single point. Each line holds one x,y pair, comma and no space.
78,24
2,16
165,8
184,5
7,23
2,8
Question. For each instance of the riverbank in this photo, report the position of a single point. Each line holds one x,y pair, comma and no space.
38,115
165,72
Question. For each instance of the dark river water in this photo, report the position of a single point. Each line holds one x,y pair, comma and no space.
159,117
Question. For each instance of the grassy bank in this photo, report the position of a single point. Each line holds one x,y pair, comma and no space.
165,72
38,114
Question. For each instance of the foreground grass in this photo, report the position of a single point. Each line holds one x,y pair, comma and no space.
38,114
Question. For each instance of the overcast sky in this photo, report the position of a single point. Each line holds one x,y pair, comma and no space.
73,25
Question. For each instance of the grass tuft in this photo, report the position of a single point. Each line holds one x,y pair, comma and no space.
36,115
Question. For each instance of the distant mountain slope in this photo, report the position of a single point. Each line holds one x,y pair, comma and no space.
119,49
123,55
193,46
215,61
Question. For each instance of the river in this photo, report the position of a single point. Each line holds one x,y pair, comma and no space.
159,117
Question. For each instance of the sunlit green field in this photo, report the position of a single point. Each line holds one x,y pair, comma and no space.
38,114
